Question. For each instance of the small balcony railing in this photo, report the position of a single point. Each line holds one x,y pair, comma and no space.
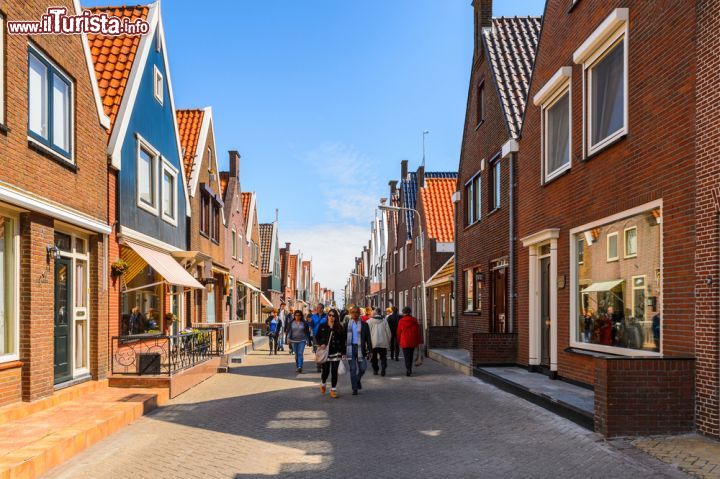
162,354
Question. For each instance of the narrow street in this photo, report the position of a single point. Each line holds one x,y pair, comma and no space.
263,420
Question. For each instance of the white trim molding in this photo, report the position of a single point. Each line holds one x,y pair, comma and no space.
127,234
510,146
555,82
541,236
610,25
62,213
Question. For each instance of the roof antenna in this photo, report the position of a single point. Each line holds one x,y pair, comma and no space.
425,132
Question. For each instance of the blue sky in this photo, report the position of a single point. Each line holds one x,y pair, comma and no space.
323,99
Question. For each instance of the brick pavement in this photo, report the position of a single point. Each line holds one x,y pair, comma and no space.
692,453
263,420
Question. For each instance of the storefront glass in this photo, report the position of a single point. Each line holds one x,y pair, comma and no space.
141,308
8,279
240,301
619,284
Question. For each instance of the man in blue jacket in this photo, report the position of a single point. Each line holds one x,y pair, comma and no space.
319,317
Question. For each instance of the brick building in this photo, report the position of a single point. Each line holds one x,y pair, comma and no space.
207,226
53,211
270,251
504,52
598,304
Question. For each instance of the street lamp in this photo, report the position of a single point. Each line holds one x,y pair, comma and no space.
422,266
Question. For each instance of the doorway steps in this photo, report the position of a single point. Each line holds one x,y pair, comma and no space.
37,436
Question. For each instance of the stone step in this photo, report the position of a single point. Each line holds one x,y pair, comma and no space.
35,443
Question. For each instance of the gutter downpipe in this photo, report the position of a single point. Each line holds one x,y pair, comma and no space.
510,149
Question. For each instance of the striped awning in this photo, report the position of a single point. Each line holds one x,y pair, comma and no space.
163,264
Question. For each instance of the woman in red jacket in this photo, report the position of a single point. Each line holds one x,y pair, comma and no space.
408,333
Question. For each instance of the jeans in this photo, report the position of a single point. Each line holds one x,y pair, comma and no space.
299,350
382,354
358,365
281,341
408,354
394,347
330,368
273,342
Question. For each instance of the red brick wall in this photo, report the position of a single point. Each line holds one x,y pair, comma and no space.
707,255
492,348
23,167
10,383
442,337
99,324
654,161
643,396
486,240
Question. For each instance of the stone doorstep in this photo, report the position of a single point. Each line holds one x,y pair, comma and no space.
579,416
41,440
451,360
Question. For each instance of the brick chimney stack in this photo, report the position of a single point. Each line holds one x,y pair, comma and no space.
393,187
421,176
234,163
482,11
403,169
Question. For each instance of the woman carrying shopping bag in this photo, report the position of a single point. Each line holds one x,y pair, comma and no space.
331,350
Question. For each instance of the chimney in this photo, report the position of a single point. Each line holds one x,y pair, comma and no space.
234,163
483,19
393,187
403,169
421,176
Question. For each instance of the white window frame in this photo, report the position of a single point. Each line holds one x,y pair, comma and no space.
15,300
233,240
609,258
2,69
496,174
155,158
610,32
574,287
168,168
158,85
633,288
625,252
556,87
240,249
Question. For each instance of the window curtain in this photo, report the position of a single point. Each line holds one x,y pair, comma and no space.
608,94
558,134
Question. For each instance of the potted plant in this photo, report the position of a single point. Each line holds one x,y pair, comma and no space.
119,267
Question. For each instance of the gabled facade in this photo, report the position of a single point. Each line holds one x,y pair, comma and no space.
606,208
207,229
253,254
148,196
486,206
53,210
270,254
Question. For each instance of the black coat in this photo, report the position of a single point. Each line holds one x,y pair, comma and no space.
338,339
393,320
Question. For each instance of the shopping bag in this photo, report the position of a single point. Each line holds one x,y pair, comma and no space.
342,367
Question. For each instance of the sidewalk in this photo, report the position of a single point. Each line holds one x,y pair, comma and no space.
35,437
694,454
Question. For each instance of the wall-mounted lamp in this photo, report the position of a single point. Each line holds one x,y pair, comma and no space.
53,252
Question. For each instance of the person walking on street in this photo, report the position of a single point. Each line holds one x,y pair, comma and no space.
298,336
290,317
393,319
408,335
316,319
331,335
380,338
367,314
282,317
359,347
274,331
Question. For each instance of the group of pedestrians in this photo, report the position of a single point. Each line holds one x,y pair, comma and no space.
345,341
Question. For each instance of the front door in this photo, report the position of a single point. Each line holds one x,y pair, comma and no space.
545,312
63,320
499,304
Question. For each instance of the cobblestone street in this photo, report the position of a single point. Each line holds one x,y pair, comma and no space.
262,419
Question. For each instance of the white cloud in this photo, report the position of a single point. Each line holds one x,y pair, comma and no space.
332,247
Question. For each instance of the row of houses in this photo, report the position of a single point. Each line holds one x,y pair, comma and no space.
119,233
582,225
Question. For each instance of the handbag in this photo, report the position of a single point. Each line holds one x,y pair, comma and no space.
342,367
321,355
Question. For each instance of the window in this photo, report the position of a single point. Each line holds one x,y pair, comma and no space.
606,83
472,200
581,251
233,240
612,247
556,134
481,103
49,105
618,308
443,311
205,214
210,159
240,248
8,283
147,165
2,70
158,86
494,184
473,288
631,242
169,194
215,226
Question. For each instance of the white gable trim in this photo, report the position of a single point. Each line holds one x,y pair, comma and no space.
250,219
273,246
207,125
131,90
104,119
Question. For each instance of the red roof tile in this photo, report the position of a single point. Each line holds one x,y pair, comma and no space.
189,123
266,234
246,198
438,208
113,58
